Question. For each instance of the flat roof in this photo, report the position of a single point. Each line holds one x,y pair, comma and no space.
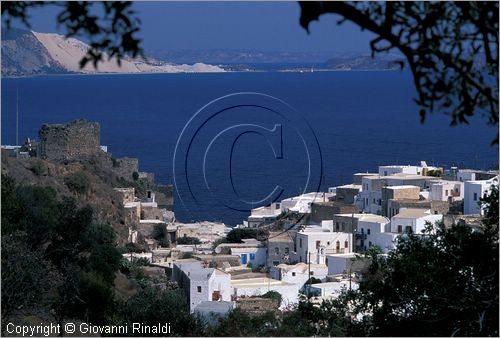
330,284
412,176
366,217
350,186
257,282
346,255
151,221
214,306
413,213
397,187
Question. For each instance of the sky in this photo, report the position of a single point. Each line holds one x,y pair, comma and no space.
266,26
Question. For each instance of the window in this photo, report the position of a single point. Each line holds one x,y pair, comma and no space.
343,226
374,201
318,243
408,229
385,172
311,273
379,202
367,231
327,243
337,226
252,256
369,244
287,251
362,230
337,246
276,263
277,205
300,243
446,192
199,289
400,228
475,196
346,244
300,259
277,251
293,274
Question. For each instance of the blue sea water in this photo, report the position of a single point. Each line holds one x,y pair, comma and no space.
360,120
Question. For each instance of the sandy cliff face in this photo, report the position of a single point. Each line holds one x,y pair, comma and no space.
32,53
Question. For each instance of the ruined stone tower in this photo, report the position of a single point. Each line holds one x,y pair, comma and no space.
70,141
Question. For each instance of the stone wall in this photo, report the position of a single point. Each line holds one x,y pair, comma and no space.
257,305
436,207
152,213
347,194
125,167
128,194
321,211
70,141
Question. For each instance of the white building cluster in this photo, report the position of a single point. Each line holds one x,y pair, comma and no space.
319,255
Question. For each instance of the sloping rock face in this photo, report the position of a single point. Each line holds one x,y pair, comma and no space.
23,54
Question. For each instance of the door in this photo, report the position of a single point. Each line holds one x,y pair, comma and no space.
244,259
215,296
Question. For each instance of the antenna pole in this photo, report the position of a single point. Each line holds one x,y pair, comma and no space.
17,122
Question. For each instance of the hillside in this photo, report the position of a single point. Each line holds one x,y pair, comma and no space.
26,53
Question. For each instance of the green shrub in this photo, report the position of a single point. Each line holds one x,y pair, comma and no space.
78,182
273,295
188,240
37,167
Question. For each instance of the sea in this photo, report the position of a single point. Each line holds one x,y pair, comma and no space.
230,142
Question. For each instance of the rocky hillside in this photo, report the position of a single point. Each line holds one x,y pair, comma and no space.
26,53
97,171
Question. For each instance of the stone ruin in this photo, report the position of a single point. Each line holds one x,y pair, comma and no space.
70,141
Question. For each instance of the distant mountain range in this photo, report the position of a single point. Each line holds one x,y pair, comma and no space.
31,53
249,59
26,53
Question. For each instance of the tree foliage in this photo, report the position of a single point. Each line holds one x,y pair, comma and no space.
236,235
161,235
54,258
451,49
188,240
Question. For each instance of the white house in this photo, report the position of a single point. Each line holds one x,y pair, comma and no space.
255,256
250,251
298,273
423,169
413,220
340,264
201,284
302,203
374,230
261,215
473,192
258,286
370,197
314,243
323,291
446,190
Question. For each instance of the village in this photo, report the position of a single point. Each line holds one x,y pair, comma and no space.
307,245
